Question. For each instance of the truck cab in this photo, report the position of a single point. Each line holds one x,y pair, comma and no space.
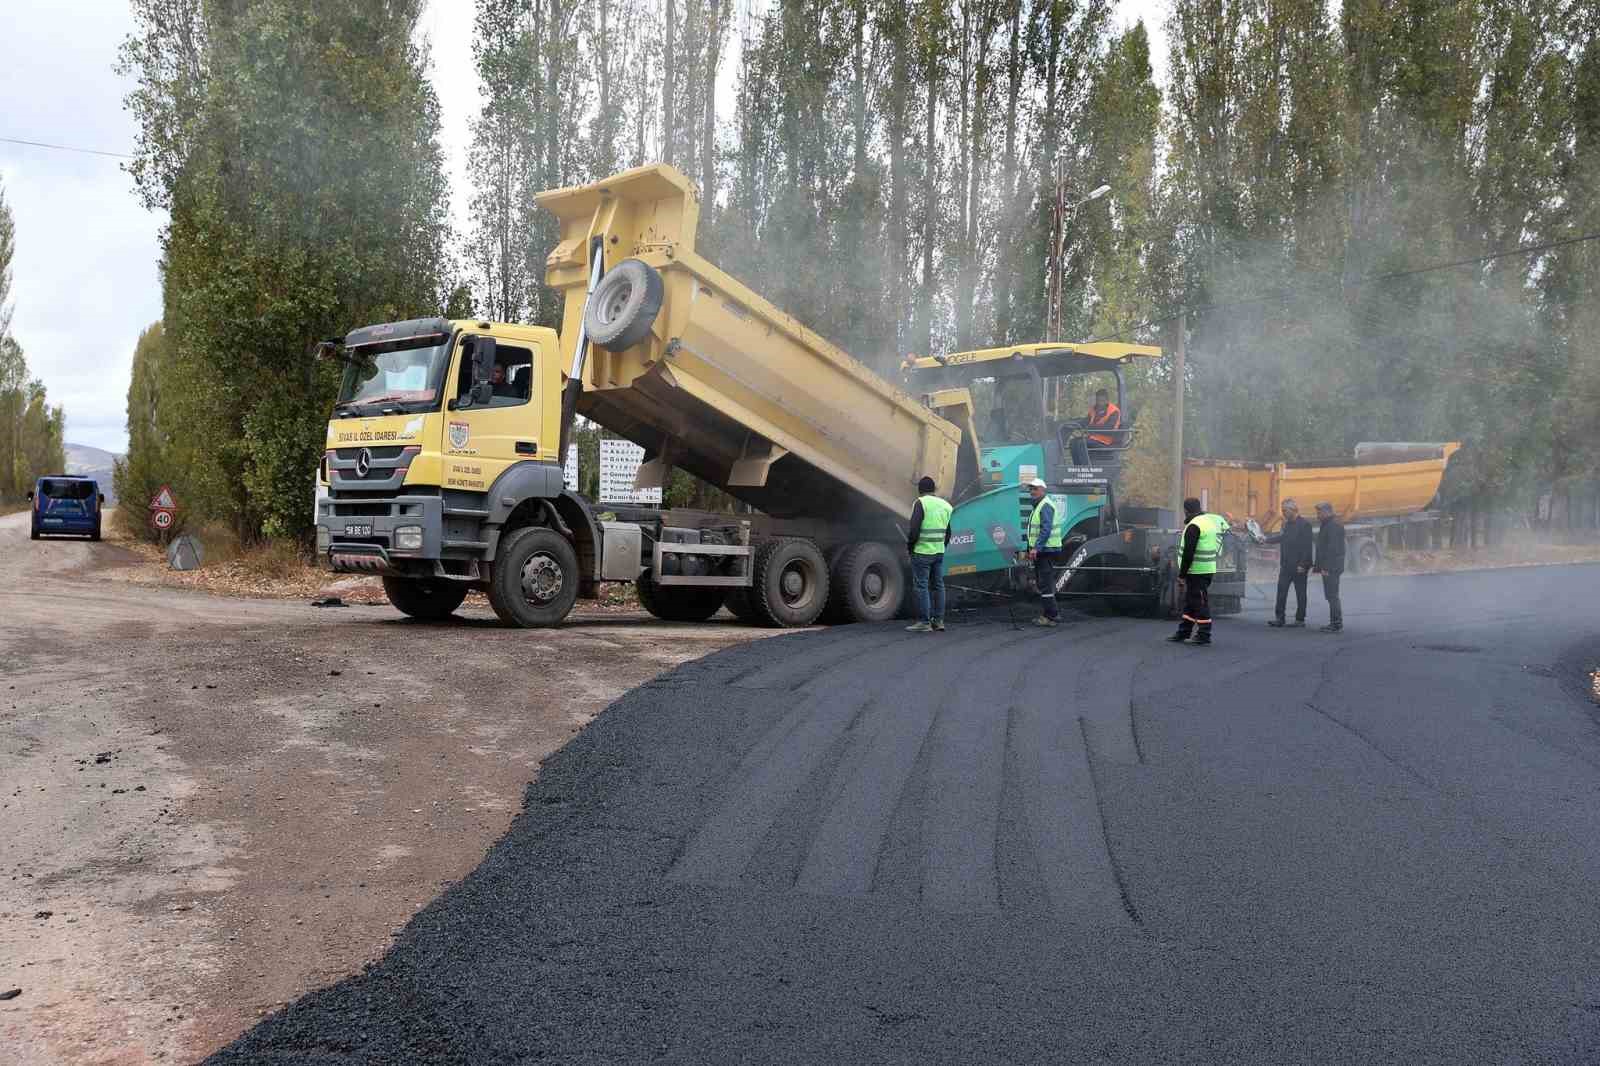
441,431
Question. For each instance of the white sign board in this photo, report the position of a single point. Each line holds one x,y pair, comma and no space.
569,475
619,465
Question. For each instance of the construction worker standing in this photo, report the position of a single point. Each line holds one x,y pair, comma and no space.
1044,550
1202,547
929,533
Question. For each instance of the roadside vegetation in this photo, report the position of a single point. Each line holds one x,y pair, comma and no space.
1330,194
31,440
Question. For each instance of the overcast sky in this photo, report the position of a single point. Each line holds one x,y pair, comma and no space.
85,273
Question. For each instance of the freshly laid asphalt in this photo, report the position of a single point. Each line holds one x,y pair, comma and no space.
1085,844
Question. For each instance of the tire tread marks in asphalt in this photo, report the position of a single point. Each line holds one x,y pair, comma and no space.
900,783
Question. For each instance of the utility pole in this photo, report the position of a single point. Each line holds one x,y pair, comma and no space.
1177,416
1058,238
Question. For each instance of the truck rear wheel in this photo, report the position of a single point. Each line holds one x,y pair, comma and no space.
791,582
535,580
624,305
866,583
678,603
425,599
1367,556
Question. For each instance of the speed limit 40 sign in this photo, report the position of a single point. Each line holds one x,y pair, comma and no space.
161,519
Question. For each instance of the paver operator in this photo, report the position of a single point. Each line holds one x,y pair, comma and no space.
1103,415
1202,547
1044,550
1294,542
926,541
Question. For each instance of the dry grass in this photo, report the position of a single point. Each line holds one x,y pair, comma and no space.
276,570
1514,553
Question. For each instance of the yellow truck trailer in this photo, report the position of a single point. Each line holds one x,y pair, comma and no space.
1382,485
443,453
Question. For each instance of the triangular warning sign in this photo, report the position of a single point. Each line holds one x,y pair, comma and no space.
163,500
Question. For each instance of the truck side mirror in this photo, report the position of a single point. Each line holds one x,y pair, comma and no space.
482,370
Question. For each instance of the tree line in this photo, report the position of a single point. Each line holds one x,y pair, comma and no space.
1297,183
31,430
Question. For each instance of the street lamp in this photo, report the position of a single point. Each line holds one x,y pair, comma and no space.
1059,246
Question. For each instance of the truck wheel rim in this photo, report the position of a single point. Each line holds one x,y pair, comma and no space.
541,578
795,584
613,307
872,586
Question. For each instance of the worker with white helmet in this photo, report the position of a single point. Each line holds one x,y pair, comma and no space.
1044,536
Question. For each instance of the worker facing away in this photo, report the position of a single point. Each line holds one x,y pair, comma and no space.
1104,415
1294,542
926,541
1202,547
1044,551
1329,562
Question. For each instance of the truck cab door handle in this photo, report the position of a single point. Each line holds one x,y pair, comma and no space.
527,447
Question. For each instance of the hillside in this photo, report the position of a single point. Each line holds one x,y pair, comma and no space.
92,462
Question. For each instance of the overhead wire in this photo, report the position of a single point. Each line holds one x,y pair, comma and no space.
65,148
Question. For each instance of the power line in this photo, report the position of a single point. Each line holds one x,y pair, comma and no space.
65,148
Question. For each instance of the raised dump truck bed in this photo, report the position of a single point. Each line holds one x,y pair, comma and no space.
728,386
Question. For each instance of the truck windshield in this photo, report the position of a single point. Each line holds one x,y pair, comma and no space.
407,378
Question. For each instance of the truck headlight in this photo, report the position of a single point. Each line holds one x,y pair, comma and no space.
324,540
408,539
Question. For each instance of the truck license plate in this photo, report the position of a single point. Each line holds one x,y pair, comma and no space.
353,530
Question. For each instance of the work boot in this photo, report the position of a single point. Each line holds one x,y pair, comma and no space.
1277,623
1043,621
1203,637
938,625
919,627
1333,627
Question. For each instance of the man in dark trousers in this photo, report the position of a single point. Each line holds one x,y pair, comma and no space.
1202,547
1329,562
926,541
1294,542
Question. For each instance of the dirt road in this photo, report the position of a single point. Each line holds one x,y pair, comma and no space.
212,806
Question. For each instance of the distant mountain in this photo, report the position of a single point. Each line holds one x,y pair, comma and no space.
92,462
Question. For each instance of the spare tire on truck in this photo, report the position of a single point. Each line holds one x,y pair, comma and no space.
790,582
624,305
678,603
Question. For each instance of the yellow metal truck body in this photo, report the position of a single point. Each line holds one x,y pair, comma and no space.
728,386
1361,490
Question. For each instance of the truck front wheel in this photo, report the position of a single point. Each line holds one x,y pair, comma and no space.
535,580
425,599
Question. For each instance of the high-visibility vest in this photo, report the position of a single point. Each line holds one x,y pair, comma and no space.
1209,547
1035,521
1112,419
935,520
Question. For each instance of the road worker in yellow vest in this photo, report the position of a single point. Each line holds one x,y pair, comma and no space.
1044,537
926,540
1202,547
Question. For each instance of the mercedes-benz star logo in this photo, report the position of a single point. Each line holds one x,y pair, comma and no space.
363,462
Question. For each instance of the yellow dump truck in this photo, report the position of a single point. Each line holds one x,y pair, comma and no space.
1384,485
443,453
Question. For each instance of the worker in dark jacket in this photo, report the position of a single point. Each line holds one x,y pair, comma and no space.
1329,562
1294,563
926,541
1197,566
